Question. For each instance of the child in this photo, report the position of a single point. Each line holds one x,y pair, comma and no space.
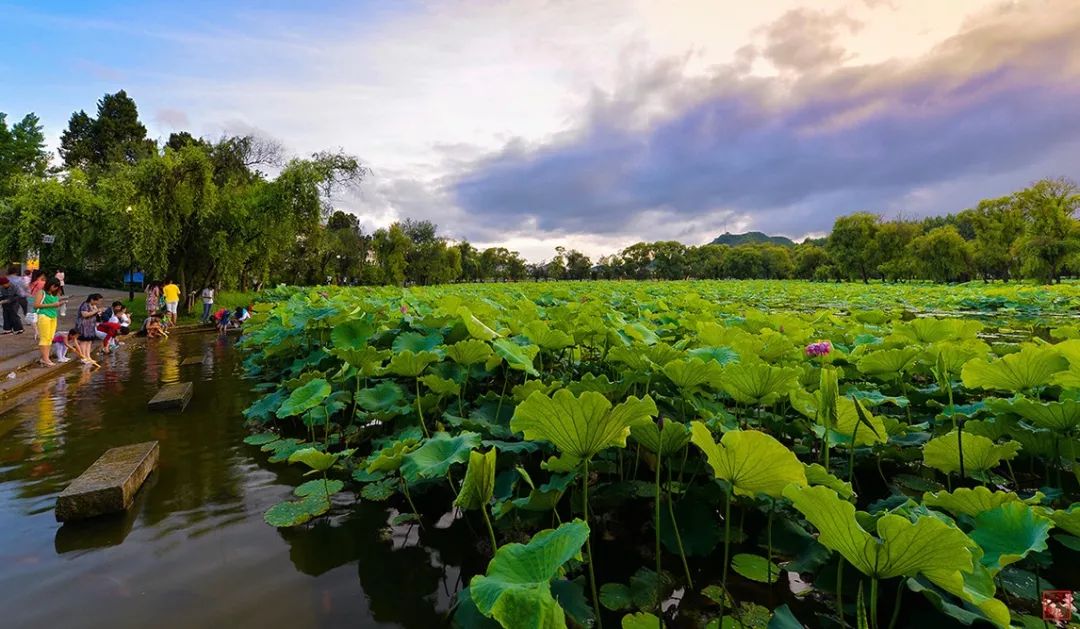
61,343
125,321
108,332
222,317
152,327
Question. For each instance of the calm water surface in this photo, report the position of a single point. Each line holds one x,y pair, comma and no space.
194,551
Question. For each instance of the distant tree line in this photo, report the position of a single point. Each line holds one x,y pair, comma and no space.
210,212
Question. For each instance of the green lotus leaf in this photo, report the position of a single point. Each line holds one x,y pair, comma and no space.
283,448
519,357
816,474
305,398
901,548
380,490
477,329
441,386
367,360
539,333
1069,519
581,426
968,501
755,568
315,459
671,439
887,364
385,397
640,620
751,461
589,382
479,483
1033,366
410,364
927,330
261,439
319,487
1068,379
952,355
352,334
1059,416
469,352
976,587
416,342
289,513
521,392
616,596
847,418
516,589
757,383
721,355
688,374
434,458
980,454
1008,533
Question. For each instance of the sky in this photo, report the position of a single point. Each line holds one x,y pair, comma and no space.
592,124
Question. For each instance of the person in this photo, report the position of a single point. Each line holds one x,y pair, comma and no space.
59,275
35,285
207,303
62,343
222,319
86,323
171,292
108,332
241,315
125,320
45,305
9,301
151,327
22,285
153,297
112,315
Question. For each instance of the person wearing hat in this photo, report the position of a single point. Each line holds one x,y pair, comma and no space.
9,301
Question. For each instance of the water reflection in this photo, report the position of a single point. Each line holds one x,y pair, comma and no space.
193,550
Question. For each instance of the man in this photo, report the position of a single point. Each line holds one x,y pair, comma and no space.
171,292
207,303
21,283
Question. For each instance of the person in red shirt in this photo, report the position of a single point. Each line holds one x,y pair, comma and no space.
107,332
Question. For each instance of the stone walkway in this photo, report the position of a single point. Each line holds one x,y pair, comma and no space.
19,351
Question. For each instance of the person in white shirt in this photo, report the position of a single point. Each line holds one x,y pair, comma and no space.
207,304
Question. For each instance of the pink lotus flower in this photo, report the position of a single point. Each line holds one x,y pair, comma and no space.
404,309
821,348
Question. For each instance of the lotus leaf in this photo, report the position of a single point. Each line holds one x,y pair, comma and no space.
410,364
888,364
1008,533
721,355
352,334
305,398
1033,366
980,454
640,620
816,474
441,386
755,568
1060,416
751,461
477,329
757,383
671,439
479,483
516,589
688,374
969,501
434,458
1068,519
519,357
901,548
315,459
469,352
937,330
580,426
539,333
384,397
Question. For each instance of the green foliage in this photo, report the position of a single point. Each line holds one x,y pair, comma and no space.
980,453
580,426
751,461
479,483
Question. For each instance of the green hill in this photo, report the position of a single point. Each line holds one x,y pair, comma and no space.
751,238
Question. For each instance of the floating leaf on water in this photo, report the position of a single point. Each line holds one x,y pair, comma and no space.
379,490
640,620
261,439
615,596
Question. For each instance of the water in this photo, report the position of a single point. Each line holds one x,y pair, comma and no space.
194,550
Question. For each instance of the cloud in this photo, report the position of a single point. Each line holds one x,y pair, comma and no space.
794,150
172,118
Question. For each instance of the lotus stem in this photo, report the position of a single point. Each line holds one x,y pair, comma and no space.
491,531
896,605
851,455
960,448
873,602
588,545
727,549
768,534
420,411
678,536
656,510
498,408
461,396
405,489
840,590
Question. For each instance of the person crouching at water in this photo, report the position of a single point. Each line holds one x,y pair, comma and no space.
46,303
86,324
62,343
9,301
108,332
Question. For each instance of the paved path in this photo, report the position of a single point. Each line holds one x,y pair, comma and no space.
18,350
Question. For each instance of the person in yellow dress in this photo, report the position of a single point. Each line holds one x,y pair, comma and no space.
46,303
171,293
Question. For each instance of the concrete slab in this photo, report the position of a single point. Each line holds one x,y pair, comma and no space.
110,484
192,360
175,395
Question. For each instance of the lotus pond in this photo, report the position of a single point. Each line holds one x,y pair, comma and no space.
693,454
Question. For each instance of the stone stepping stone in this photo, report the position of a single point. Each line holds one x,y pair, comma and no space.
175,395
110,484
192,360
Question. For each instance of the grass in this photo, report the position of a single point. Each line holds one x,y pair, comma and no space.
223,299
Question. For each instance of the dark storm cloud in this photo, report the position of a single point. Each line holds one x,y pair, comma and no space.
797,150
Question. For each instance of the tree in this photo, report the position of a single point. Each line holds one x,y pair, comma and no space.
892,245
997,224
1051,235
391,247
943,255
22,150
808,259
470,261
851,244
115,137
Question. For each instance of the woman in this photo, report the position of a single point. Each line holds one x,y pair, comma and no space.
9,301
46,302
153,294
86,323
35,285
59,275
